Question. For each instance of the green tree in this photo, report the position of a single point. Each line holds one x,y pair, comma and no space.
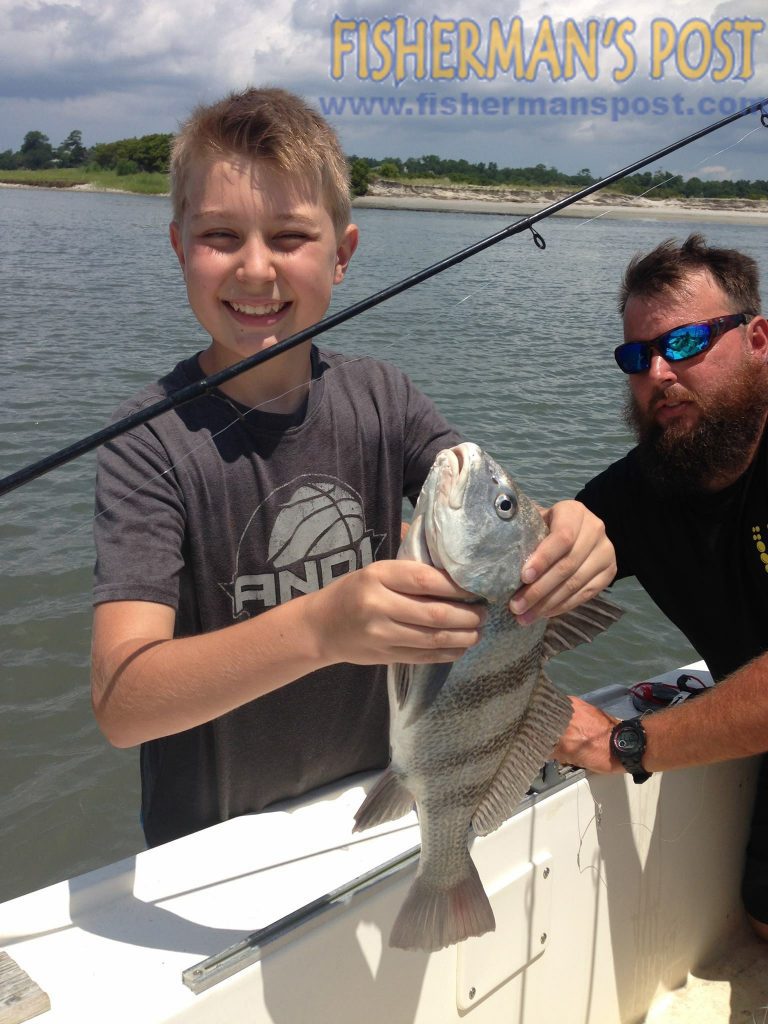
389,169
149,153
36,151
72,152
694,187
105,154
359,176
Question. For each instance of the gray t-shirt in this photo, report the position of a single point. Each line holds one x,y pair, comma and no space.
222,513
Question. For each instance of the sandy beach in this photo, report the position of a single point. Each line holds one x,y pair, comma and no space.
80,187
518,202
524,202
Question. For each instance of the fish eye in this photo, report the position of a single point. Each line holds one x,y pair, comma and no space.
505,505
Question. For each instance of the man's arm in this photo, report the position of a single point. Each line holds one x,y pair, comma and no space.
727,722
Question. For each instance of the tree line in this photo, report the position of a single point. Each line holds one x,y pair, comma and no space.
151,153
148,153
663,184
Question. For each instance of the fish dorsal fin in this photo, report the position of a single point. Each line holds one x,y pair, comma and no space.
580,625
542,725
418,686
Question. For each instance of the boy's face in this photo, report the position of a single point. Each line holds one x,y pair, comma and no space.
260,255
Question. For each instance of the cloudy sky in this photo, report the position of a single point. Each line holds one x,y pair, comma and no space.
117,68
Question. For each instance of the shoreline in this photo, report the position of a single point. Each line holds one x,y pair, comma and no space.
81,187
390,195
523,203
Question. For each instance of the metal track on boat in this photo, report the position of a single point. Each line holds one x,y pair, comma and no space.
250,950
253,947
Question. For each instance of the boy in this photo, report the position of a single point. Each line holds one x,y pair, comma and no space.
229,529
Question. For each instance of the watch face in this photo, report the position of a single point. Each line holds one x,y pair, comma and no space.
627,741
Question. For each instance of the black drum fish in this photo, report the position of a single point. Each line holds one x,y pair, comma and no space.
468,738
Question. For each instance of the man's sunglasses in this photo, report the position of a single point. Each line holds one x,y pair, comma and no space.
678,344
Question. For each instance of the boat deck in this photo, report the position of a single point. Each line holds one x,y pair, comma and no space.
608,898
733,989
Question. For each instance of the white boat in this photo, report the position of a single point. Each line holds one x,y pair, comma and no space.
608,897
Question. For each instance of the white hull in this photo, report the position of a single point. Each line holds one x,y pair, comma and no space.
606,896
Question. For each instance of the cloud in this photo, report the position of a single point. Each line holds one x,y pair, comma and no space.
716,173
113,68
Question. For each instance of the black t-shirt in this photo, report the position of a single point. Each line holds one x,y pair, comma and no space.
703,559
222,513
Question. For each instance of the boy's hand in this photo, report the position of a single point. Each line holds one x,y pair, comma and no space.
395,611
573,563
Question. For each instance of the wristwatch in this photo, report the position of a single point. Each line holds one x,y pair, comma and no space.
628,743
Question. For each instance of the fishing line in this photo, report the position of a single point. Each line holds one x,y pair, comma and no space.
390,344
582,833
6,488
207,384
598,819
239,417
710,156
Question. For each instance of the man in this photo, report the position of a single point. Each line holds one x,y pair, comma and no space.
687,511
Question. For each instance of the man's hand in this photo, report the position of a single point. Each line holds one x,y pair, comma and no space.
586,741
573,563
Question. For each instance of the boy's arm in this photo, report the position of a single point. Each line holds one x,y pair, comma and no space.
145,684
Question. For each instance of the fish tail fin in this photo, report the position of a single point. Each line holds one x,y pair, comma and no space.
387,801
431,918
546,719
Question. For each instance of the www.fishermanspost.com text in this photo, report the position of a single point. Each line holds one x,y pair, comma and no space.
464,104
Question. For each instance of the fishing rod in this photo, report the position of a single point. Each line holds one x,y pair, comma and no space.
208,384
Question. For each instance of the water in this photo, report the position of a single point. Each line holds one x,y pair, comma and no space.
513,345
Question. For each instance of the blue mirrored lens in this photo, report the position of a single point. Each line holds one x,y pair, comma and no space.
685,342
682,343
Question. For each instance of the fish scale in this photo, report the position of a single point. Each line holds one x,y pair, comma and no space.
468,738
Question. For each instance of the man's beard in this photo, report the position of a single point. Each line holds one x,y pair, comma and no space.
685,460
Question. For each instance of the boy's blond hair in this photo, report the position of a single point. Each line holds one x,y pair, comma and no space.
264,124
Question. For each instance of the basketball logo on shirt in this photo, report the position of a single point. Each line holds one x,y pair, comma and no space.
317,534
321,516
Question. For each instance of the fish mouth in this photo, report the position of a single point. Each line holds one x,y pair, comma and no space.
457,463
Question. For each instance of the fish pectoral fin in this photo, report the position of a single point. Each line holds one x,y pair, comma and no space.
580,625
400,676
542,725
387,801
424,684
